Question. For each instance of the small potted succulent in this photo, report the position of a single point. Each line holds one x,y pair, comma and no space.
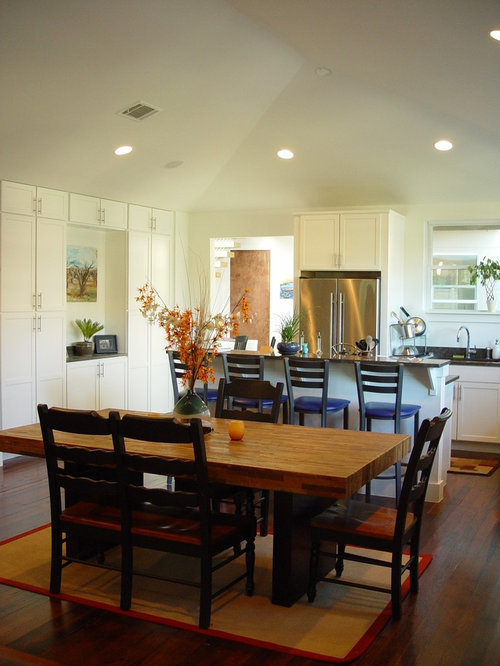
487,272
289,327
88,328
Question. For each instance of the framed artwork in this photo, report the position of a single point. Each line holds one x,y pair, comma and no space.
105,344
286,290
81,274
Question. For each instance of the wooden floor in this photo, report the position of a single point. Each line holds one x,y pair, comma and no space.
453,621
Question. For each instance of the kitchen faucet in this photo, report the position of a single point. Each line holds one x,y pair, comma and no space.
467,348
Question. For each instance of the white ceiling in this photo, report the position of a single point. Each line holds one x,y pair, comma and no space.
236,81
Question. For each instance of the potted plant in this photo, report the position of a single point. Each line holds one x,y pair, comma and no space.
487,272
88,328
289,327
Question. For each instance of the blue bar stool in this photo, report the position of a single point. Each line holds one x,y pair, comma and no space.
308,373
243,366
384,378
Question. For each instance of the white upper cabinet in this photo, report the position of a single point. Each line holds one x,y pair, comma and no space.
97,212
31,200
39,247
340,241
142,218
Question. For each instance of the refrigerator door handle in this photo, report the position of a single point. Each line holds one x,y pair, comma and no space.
331,332
340,319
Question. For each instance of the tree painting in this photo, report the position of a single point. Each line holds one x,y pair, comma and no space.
81,274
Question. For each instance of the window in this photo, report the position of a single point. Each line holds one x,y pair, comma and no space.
454,247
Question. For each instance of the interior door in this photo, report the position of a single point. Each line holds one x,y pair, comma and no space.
250,269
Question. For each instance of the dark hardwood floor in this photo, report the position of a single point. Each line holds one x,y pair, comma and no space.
452,621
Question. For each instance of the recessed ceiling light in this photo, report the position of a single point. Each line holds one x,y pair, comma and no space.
285,154
495,34
443,145
123,150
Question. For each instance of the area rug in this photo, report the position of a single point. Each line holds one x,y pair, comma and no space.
338,627
482,467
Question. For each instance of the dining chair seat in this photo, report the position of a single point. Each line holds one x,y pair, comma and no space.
311,404
386,411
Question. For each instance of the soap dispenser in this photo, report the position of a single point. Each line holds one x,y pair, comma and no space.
496,350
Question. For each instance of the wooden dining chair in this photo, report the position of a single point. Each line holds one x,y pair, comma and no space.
312,374
177,521
385,379
379,528
240,342
83,489
251,389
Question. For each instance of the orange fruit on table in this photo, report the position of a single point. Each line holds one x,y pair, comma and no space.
236,430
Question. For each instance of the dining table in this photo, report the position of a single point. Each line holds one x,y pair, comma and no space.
307,468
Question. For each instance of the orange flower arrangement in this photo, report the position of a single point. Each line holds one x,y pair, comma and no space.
194,333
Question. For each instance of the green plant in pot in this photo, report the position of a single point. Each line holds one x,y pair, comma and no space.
88,329
289,327
487,272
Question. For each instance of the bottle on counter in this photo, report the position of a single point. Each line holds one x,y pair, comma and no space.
496,350
318,344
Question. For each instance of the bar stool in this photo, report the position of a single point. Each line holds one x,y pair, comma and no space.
308,373
377,378
242,366
178,370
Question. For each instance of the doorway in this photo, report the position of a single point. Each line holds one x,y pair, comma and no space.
250,270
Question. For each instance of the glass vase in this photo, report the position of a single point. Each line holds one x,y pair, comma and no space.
191,406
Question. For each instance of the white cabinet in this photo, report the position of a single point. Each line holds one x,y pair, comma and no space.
96,383
141,218
32,256
97,212
340,241
476,404
33,360
31,200
149,386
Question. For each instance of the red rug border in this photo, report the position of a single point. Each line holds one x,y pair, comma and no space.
358,649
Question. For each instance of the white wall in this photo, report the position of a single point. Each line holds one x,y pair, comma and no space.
442,327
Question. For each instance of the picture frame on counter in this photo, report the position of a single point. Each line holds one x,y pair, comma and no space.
105,344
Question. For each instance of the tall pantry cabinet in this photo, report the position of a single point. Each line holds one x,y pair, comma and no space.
151,238
32,300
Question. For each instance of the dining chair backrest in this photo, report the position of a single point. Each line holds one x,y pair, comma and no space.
419,469
377,379
242,366
306,373
240,342
77,469
249,389
177,371
191,465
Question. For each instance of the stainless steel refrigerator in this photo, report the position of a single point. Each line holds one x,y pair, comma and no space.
342,307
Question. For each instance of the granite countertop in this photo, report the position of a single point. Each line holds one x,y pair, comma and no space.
92,357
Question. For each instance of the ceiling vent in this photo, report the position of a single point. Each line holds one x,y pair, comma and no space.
139,111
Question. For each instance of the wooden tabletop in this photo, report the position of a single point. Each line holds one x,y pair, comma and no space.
324,462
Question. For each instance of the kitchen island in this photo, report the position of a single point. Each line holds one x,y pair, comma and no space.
427,382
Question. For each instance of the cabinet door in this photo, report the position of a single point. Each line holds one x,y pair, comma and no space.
359,241
84,209
82,385
162,266
319,241
114,214
478,412
51,359
17,260
17,198
139,264
17,369
51,265
52,203
162,221
112,386
139,218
